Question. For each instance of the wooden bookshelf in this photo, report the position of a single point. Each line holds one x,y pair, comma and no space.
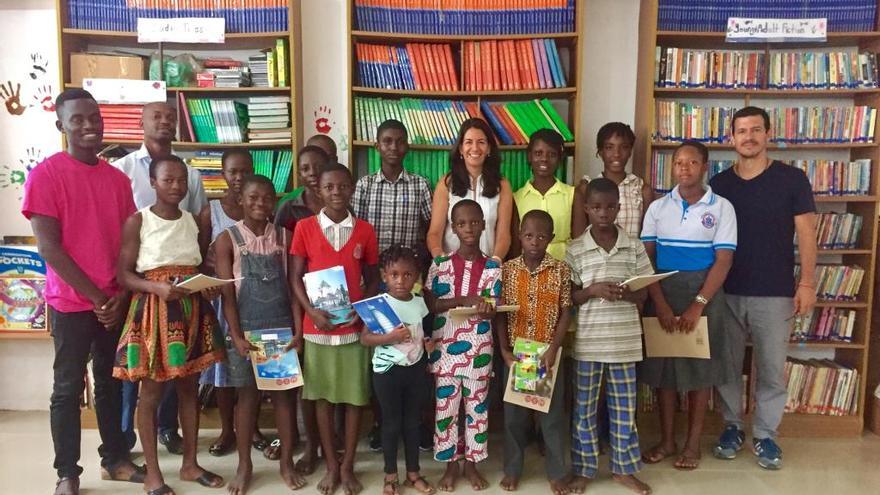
571,41
72,40
856,353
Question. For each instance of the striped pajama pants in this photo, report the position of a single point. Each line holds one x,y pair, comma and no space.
450,444
620,393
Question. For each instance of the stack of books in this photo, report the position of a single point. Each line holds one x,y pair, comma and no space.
466,16
837,178
269,69
712,15
822,70
688,68
495,65
275,165
269,119
215,120
838,230
248,17
825,324
223,73
259,65
662,179
417,66
209,165
821,386
122,122
836,282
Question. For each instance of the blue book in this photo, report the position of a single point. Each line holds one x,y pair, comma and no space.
328,290
377,314
493,119
275,368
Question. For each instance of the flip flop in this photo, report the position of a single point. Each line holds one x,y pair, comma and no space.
412,484
137,476
219,450
209,480
260,444
273,450
162,490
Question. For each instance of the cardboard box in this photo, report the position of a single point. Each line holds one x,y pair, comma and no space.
85,65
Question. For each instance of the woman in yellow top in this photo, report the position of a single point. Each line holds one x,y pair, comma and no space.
545,191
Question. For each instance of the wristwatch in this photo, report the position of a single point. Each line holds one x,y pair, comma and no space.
701,299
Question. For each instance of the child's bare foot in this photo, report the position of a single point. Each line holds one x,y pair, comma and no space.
391,485
329,483
350,484
307,464
201,476
290,476
477,481
417,481
578,484
559,487
447,482
688,459
239,484
632,483
659,452
509,483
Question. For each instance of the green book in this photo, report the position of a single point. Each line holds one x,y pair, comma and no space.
557,120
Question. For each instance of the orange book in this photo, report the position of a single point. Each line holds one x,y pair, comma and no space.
523,66
465,66
486,51
478,67
473,109
496,72
512,66
442,69
532,66
516,134
416,69
502,68
433,81
447,51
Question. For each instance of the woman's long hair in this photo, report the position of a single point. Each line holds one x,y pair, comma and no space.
459,181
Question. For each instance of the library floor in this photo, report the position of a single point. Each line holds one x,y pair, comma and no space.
812,466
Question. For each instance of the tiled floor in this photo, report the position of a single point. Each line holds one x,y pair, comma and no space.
825,466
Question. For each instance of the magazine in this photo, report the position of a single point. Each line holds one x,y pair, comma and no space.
274,369
528,382
377,314
328,290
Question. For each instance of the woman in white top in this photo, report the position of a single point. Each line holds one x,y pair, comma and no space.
475,164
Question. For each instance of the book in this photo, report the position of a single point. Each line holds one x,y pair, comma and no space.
498,60
529,383
328,290
660,343
201,282
820,386
377,314
274,368
642,281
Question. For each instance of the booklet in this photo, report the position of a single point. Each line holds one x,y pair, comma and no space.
377,314
642,281
472,310
660,343
529,384
201,282
328,290
274,369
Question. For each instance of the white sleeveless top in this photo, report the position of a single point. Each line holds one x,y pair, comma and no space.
490,214
168,242
220,221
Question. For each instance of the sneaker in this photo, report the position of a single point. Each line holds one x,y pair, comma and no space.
375,437
768,452
730,443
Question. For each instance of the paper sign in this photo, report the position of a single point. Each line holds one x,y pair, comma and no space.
125,91
182,30
745,29
660,343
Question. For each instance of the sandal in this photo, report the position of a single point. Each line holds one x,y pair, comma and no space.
393,484
162,490
273,450
219,449
413,483
209,480
137,476
260,443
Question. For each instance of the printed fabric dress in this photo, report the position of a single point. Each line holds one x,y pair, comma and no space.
462,359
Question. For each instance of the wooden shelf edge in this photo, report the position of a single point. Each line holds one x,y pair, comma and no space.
778,93
357,34
190,145
285,89
773,146
24,335
133,34
537,93
841,304
447,147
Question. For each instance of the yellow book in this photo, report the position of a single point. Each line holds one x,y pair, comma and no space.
281,61
270,67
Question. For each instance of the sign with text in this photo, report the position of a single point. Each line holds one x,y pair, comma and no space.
125,91
182,30
745,29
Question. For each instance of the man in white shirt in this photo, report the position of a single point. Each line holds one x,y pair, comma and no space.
159,122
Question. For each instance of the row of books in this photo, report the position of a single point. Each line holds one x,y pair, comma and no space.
465,16
662,178
821,386
822,70
688,68
838,230
270,68
264,70
276,165
837,178
494,65
837,282
122,15
437,121
416,66
677,121
223,73
214,120
825,324
712,15
122,121
209,165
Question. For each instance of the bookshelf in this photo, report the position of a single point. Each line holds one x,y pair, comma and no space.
855,353
564,97
237,45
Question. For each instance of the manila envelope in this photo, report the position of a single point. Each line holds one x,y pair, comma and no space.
660,343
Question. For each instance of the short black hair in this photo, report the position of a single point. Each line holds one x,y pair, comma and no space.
391,124
465,203
398,252
549,136
750,111
236,152
323,137
537,216
614,129
603,185
71,94
257,180
156,162
700,147
335,167
311,148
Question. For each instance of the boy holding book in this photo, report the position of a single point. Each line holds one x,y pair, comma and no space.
540,285
608,339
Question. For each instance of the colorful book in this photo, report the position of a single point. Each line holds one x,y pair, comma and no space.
377,314
275,367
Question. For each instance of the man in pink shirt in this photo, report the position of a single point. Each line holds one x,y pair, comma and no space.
76,204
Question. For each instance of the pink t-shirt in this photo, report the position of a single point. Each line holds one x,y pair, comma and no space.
91,203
